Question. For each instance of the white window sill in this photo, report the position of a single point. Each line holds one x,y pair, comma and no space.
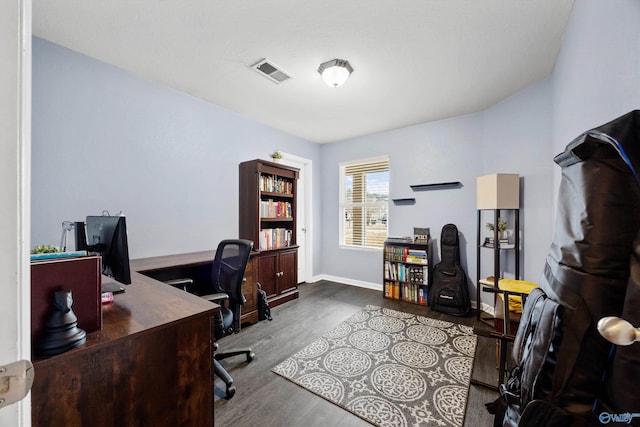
360,248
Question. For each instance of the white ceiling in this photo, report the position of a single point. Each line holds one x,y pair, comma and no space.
415,61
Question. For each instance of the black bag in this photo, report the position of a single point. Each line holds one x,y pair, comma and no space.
591,272
527,395
448,292
264,312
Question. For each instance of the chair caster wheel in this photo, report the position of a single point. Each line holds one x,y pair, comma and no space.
230,392
250,356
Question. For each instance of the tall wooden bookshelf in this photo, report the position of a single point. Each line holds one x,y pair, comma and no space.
268,202
406,270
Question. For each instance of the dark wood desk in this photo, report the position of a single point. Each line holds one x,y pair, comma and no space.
275,270
149,365
196,265
172,261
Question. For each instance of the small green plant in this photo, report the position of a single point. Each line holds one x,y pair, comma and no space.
44,249
502,225
276,155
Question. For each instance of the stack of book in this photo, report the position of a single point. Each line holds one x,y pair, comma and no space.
503,243
275,209
274,238
395,253
416,256
405,254
406,273
411,292
57,255
275,184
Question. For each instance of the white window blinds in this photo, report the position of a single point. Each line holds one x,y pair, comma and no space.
364,202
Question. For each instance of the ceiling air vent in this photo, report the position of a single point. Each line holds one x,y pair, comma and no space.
271,71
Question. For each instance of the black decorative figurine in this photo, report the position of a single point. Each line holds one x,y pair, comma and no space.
61,330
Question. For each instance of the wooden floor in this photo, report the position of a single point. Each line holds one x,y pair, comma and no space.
265,399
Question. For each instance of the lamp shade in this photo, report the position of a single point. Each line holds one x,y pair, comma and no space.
498,191
335,72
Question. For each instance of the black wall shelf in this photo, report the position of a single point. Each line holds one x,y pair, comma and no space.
405,201
436,186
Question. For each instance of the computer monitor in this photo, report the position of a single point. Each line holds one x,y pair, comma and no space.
107,236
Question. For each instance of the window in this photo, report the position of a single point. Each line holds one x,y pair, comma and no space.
364,202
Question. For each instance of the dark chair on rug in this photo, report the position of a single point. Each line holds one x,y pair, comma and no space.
225,289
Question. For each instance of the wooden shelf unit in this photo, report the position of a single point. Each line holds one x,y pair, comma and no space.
406,271
268,206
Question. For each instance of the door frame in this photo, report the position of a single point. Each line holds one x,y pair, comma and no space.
306,165
15,194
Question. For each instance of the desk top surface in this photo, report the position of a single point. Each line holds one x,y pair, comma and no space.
167,261
186,259
146,304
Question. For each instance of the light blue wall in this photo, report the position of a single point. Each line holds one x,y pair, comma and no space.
105,139
517,139
597,76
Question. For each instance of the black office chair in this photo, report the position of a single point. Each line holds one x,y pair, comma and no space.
225,289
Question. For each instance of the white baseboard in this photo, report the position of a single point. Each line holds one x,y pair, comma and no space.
347,281
486,308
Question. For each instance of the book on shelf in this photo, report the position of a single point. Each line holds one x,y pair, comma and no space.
490,240
417,252
487,282
406,273
395,253
409,292
405,254
57,255
416,257
275,209
275,238
399,240
503,243
275,184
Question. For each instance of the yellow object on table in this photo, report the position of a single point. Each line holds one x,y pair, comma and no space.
512,285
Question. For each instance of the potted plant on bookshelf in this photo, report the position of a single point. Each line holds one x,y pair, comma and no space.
276,156
502,228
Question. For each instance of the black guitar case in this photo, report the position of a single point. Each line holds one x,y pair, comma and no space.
448,292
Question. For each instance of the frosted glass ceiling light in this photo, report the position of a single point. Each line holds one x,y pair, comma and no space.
335,72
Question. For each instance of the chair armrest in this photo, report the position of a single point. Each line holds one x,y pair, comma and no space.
215,297
180,283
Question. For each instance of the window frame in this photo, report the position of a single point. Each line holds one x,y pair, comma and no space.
343,205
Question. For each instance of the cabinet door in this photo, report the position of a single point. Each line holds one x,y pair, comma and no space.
288,271
249,289
267,264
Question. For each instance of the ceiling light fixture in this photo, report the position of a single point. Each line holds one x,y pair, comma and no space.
335,72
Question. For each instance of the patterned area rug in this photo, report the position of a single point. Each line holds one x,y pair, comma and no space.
390,368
